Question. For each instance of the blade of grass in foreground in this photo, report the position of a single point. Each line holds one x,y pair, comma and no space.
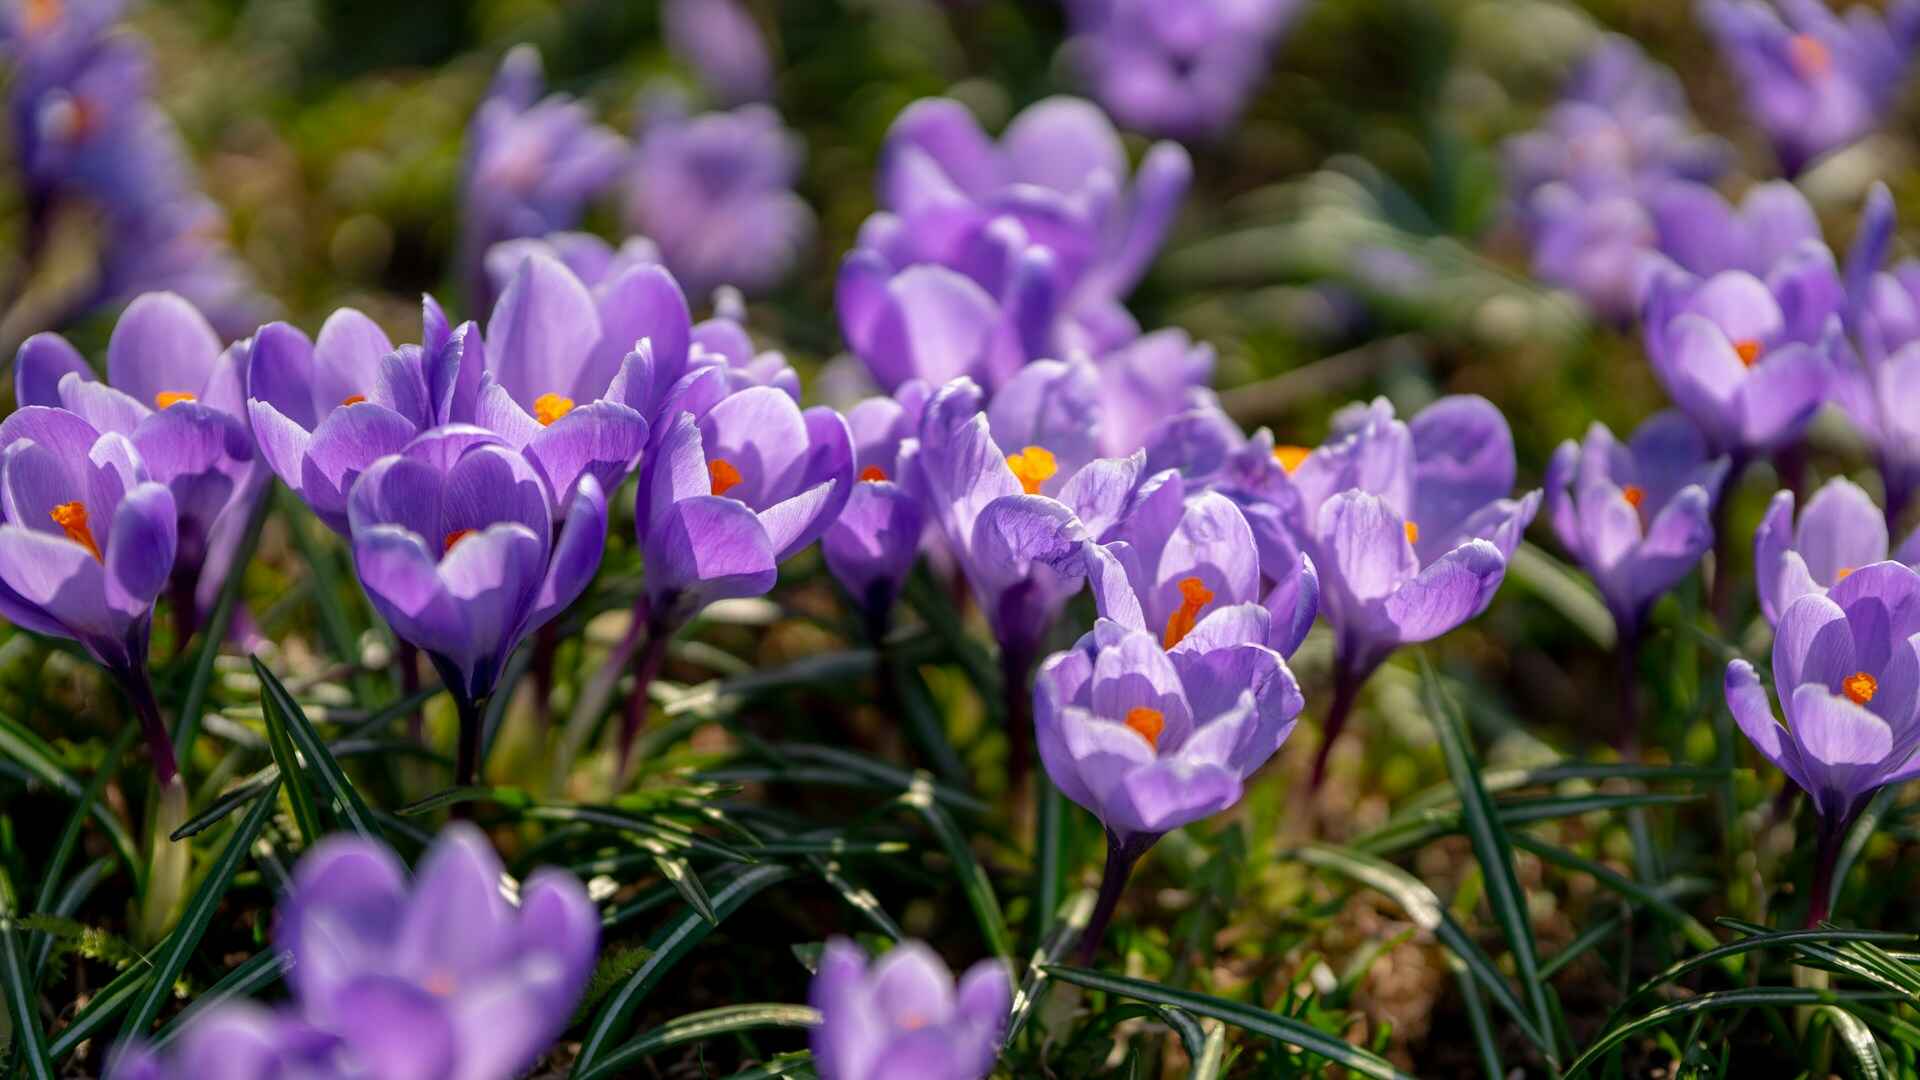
973,877
698,1027
345,802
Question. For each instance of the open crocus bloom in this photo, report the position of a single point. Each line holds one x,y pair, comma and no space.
902,1016
1179,563
1638,515
1408,523
1148,738
1706,234
88,537
440,977
456,544
1748,361
557,356
731,492
1846,667
1840,531
237,1040
176,395
873,544
1813,80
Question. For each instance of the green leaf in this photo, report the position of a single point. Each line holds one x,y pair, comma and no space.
29,1041
1251,1018
254,974
1761,941
1408,831
70,836
687,883
100,1010
1423,906
1563,590
1747,998
1049,851
305,814
229,801
699,1027
173,953
1650,899
346,805
668,945
797,1065
973,877
1491,848
1213,1054
1061,937
38,758
1858,1041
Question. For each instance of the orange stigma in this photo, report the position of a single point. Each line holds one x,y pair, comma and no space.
1033,467
1290,457
1147,723
1860,687
42,14
1749,350
723,475
167,398
1810,56
873,474
1634,494
455,537
1413,533
550,407
353,399
1840,575
441,984
1194,595
72,516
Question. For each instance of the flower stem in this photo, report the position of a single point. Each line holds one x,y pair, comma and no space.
546,643
1016,672
1122,854
1833,835
407,658
1346,690
1627,655
646,668
1721,598
466,759
138,686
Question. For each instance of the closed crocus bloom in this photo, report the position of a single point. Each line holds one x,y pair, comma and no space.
723,44
175,393
1840,531
872,546
903,1016
531,165
1181,70
441,976
716,192
1814,81
459,547
1637,515
1179,563
1846,668
1749,361
1150,738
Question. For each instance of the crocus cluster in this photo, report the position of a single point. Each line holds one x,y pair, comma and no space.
902,1015
89,138
1182,71
1583,183
1877,381
1814,80
441,977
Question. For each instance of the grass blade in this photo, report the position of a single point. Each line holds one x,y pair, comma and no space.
346,803
38,758
1213,1054
1858,1041
29,1041
1653,901
306,815
1752,997
1251,1018
698,1027
70,836
973,877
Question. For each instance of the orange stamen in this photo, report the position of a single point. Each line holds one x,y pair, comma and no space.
1413,533
167,398
1841,574
42,14
1634,494
1748,349
455,537
1290,457
1033,467
1860,687
353,399
873,474
1148,723
441,984
1194,595
550,407
1809,54
72,517
723,475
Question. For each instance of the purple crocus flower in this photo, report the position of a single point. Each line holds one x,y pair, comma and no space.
1593,246
464,550
1041,221
724,46
592,260
874,543
715,191
1410,528
1179,70
1637,515
532,163
1705,234
1814,81
1846,668
440,978
903,1016
1840,531
176,395
1878,377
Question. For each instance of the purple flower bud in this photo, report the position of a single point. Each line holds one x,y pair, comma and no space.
903,1016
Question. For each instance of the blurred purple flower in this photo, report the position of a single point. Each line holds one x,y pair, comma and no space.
592,260
1637,515
1877,381
723,44
176,395
872,546
715,191
1814,81
531,165
1182,71
1705,234
236,1041
1593,247
903,1016
1840,531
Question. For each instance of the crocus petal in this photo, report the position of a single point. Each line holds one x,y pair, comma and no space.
602,440
576,552
395,1028
161,344
1840,529
101,406
1812,644
543,330
43,360
1463,460
1786,388
351,438
1366,543
140,548
711,544
1455,588
1747,700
